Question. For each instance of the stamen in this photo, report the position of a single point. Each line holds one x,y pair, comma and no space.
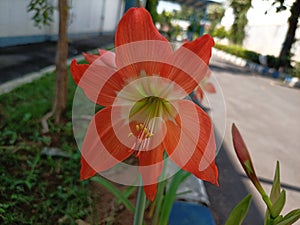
137,127
149,109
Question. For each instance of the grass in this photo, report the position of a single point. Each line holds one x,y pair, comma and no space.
35,188
239,51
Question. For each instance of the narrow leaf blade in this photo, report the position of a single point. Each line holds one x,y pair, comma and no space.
275,192
279,204
239,212
291,217
118,194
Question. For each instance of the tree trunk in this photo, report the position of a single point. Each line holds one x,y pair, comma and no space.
60,100
285,53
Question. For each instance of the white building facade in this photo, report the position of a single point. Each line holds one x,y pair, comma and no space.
86,17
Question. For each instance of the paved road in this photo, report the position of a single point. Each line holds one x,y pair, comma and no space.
16,61
268,116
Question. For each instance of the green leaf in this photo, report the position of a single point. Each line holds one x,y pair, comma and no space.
291,217
126,193
279,204
158,201
239,212
275,192
277,220
267,217
118,194
170,196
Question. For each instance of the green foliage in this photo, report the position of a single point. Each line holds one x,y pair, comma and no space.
275,202
296,70
254,57
239,212
185,13
35,188
27,105
170,196
240,9
275,191
278,200
168,29
42,12
239,51
18,106
122,197
151,6
160,208
220,33
215,13
280,5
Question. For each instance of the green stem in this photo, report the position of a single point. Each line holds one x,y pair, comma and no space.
140,207
160,193
269,204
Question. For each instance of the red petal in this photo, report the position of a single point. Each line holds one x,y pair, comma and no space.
101,148
189,64
191,144
108,58
202,46
150,191
77,70
139,45
240,146
100,83
244,157
86,171
151,166
90,57
110,89
209,87
198,94
136,25
102,51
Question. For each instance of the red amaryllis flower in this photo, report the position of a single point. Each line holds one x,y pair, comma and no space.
143,87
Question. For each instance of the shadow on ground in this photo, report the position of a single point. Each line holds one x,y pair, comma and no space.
230,192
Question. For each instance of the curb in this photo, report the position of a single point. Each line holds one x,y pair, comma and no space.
258,68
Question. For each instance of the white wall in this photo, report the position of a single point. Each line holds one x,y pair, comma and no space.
15,20
265,33
85,17
268,39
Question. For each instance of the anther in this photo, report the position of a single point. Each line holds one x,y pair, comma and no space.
137,127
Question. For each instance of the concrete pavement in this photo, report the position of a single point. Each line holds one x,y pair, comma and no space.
268,116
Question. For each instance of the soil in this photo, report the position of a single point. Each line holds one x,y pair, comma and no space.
106,211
